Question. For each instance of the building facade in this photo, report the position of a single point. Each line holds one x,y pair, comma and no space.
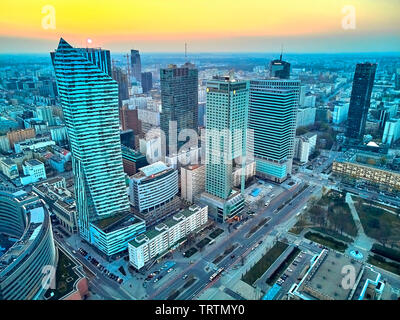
85,88
153,192
153,243
226,136
179,100
25,218
363,82
272,118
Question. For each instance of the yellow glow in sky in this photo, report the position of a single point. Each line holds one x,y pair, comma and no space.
153,20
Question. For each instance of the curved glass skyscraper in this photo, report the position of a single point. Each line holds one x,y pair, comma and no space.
89,98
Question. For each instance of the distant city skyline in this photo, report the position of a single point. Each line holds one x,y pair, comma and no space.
164,26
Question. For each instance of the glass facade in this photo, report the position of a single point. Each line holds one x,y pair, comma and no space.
363,82
89,98
272,117
179,98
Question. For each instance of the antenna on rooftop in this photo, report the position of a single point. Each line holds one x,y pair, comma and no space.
281,52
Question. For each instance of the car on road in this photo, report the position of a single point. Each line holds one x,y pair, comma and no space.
184,276
155,280
169,270
233,256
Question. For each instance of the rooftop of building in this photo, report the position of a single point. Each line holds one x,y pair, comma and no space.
324,279
117,221
152,171
368,158
165,225
33,162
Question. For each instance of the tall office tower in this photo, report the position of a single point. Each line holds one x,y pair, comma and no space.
45,113
279,69
226,134
89,98
179,99
147,81
136,65
363,82
121,77
272,117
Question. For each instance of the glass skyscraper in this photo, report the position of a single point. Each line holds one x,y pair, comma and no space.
226,129
136,65
279,69
272,117
89,98
179,98
363,82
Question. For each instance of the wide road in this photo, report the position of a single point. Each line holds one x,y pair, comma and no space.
244,246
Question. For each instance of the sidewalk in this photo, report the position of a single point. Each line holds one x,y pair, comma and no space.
362,241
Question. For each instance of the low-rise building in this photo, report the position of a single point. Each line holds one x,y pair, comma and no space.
34,171
158,240
9,168
368,166
33,144
112,235
61,202
324,280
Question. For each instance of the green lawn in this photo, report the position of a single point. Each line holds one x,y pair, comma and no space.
190,252
65,277
380,262
284,265
264,263
377,222
203,242
326,241
216,233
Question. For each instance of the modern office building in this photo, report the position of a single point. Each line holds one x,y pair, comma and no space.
27,245
279,69
45,113
89,98
121,77
164,236
136,65
306,117
340,113
112,235
363,82
147,81
391,132
272,118
192,181
153,192
132,160
129,120
226,135
179,95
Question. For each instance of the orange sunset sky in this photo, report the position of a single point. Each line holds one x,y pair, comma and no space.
206,25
